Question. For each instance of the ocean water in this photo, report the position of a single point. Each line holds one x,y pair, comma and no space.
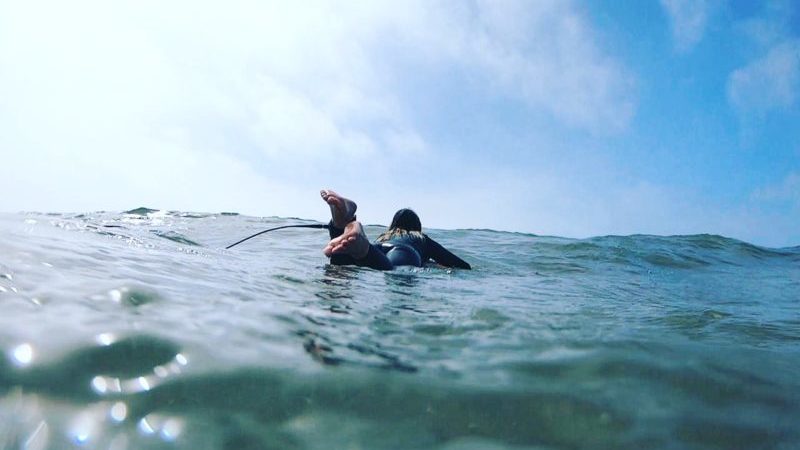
139,331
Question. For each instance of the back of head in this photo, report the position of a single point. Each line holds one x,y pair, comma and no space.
406,219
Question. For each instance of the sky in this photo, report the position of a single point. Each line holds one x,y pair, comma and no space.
552,117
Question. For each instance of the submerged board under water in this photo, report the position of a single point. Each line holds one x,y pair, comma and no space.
139,331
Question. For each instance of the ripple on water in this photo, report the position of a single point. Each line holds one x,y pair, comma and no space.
176,237
118,365
132,296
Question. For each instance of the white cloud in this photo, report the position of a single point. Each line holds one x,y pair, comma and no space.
769,82
771,25
688,20
252,106
772,79
545,51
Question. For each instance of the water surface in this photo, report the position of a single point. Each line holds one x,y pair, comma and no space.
138,330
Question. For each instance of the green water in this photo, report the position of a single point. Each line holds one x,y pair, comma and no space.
138,330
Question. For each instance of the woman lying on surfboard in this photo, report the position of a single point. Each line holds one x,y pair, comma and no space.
403,244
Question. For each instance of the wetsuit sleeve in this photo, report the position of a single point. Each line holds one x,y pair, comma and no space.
443,256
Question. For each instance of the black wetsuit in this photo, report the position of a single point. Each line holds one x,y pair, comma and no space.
399,251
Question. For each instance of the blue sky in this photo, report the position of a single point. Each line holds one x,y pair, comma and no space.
552,117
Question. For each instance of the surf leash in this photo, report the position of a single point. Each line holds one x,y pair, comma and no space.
313,225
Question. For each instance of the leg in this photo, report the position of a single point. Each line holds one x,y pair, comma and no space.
353,247
343,210
339,259
349,244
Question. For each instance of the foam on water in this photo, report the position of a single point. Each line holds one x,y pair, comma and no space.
138,330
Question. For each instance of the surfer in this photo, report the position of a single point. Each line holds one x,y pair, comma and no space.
403,244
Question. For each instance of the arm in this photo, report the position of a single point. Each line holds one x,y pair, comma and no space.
443,256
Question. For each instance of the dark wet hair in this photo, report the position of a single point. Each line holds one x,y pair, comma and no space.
406,219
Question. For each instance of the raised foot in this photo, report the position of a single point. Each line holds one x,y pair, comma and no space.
353,242
343,210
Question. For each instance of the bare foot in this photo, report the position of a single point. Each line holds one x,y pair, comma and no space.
352,242
343,210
